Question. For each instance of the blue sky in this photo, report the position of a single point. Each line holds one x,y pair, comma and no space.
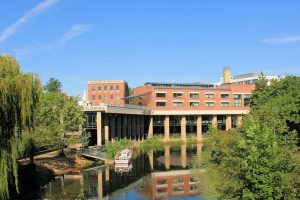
150,40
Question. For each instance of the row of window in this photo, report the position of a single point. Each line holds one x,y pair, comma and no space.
105,88
236,103
105,97
196,95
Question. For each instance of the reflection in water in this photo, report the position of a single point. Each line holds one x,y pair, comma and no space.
153,175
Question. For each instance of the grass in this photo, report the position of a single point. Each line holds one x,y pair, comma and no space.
113,148
152,144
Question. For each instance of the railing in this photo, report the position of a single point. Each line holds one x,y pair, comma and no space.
105,106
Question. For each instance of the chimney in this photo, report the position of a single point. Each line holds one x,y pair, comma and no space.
226,75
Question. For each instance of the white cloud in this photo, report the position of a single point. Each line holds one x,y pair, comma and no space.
13,28
282,40
73,32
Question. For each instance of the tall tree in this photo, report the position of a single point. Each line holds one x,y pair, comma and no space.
19,95
53,85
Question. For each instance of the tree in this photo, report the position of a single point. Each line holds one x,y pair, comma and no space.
19,95
53,85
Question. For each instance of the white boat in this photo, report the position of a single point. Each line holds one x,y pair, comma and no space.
123,157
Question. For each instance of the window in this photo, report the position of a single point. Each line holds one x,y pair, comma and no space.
237,100
177,104
117,87
111,87
209,96
225,104
194,95
93,97
194,179
177,180
225,96
161,95
99,97
99,88
118,97
194,104
111,96
161,182
177,95
160,103
105,87
161,190
246,99
210,104
105,97
194,187
93,88
178,189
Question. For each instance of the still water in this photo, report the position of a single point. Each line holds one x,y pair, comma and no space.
161,174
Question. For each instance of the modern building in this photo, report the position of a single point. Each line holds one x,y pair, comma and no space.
108,92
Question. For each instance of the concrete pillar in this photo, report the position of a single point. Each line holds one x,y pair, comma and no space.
239,121
106,128
113,127
100,185
119,127
124,125
150,155
199,149
99,129
199,128
129,127
167,126
107,173
167,157
214,121
183,155
142,127
228,122
150,129
183,127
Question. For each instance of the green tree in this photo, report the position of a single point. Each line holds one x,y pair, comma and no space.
53,85
19,95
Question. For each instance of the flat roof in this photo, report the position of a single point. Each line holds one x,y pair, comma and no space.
245,75
180,85
107,81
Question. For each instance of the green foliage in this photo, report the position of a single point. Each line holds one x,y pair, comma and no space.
85,138
112,148
19,95
53,85
152,144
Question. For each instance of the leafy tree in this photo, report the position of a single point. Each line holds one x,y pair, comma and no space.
53,85
19,95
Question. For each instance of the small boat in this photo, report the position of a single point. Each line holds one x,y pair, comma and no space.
123,157
123,168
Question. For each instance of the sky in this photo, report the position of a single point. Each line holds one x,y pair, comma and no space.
150,40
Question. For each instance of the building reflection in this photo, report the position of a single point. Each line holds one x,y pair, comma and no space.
154,175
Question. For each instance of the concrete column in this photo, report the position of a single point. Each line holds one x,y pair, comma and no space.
199,128
106,128
99,129
183,127
100,185
183,155
150,130
142,127
113,127
199,149
167,156
167,127
150,155
214,121
239,121
124,129
129,127
107,173
119,127
228,122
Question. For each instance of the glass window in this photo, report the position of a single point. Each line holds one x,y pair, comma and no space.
194,179
111,87
105,87
117,87
118,97
162,95
105,97
94,97
177,95
194,187
161,182
177,180
99,88
160,103
246,99
177,104
93,88
209,96
194,95
224,96
161,190
99,97
225,104
210,104
194,104
178,189
237,100
111,96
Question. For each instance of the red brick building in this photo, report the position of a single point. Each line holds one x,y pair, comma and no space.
109,92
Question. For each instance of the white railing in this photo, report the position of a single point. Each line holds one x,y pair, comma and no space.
104,107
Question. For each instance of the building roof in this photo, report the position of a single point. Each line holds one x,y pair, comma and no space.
180,85
249,75
107,81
